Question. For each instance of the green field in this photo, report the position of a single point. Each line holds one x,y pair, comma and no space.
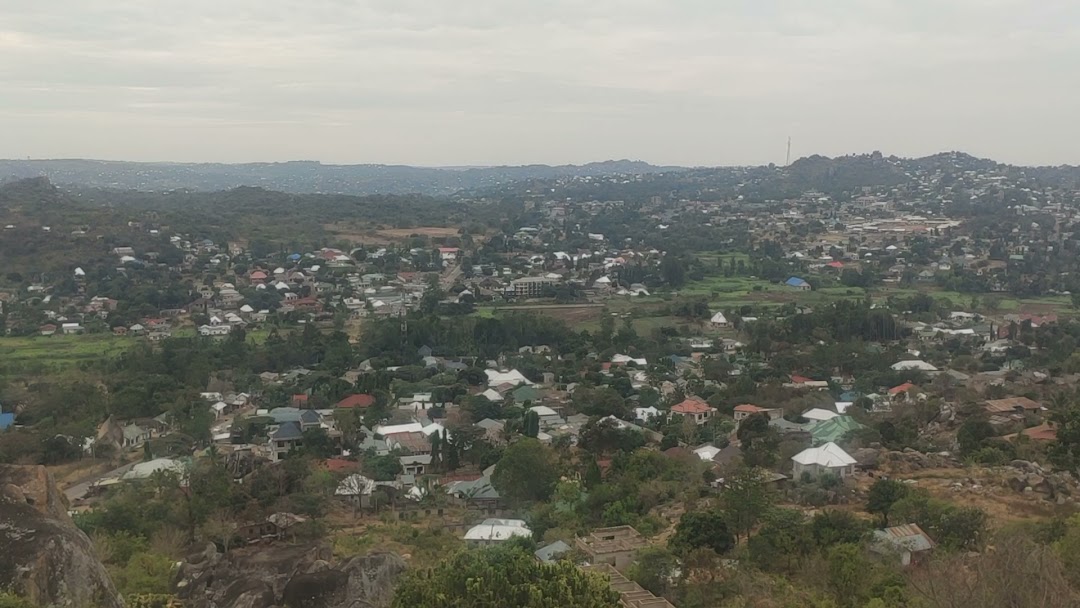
43,354
56,353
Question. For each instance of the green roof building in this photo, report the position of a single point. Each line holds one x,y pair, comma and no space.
834,429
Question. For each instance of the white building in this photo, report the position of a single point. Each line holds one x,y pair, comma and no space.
913,365
512,377
829,458
494,531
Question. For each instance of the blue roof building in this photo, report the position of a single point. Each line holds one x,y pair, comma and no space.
797,283
6,420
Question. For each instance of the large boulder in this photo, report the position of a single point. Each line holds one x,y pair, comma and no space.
302,576
44,557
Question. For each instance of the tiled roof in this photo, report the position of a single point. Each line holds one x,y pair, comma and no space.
691,406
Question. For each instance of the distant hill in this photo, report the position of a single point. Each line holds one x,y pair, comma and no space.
820,173
302,176
34,191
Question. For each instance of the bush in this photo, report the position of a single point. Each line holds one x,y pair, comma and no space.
990,456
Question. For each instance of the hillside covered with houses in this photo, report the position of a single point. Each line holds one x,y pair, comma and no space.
844,382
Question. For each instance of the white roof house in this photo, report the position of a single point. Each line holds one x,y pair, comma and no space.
914,364
646,413
492,395
819,415
144,470
624,359
514,377
828,458
393,429
355,485
707,452
492,531
719,319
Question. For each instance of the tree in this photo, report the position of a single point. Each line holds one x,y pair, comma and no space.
883,495
758,441
653,569
697,529
673,270
847,574
382,468
601,436
834,527
782,539
1065,451
436,451
317,443
526,471
501,577
972,433
744,499
531,424
959,528
601,401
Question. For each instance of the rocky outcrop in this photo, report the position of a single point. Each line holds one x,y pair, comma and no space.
289,576
909,461
1031,477
43,556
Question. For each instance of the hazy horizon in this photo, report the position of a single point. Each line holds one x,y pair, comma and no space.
493,166
488,83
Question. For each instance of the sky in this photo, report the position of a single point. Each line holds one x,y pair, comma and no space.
486,82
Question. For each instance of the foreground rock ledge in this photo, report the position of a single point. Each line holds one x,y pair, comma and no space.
43,556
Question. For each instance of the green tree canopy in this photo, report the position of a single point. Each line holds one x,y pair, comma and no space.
883,495
526,471
707,529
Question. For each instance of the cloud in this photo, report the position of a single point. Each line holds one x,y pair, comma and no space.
516,81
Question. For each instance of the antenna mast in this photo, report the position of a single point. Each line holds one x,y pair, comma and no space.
788,160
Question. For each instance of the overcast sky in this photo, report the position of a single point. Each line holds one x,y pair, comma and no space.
469,82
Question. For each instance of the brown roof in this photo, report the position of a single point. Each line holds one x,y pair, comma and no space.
1011,404
753,409
1043,432
357,401
417,443
691,406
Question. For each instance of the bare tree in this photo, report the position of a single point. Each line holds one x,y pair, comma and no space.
1015,573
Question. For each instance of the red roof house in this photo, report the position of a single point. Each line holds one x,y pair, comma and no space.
694,408
903,388
360,401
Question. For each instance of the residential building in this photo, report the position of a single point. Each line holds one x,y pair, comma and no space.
827,459
494,531
416,464
744,411
287,436
908,542
551,552
1012,405
798,284
614,546
695,409
834,429
531,287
